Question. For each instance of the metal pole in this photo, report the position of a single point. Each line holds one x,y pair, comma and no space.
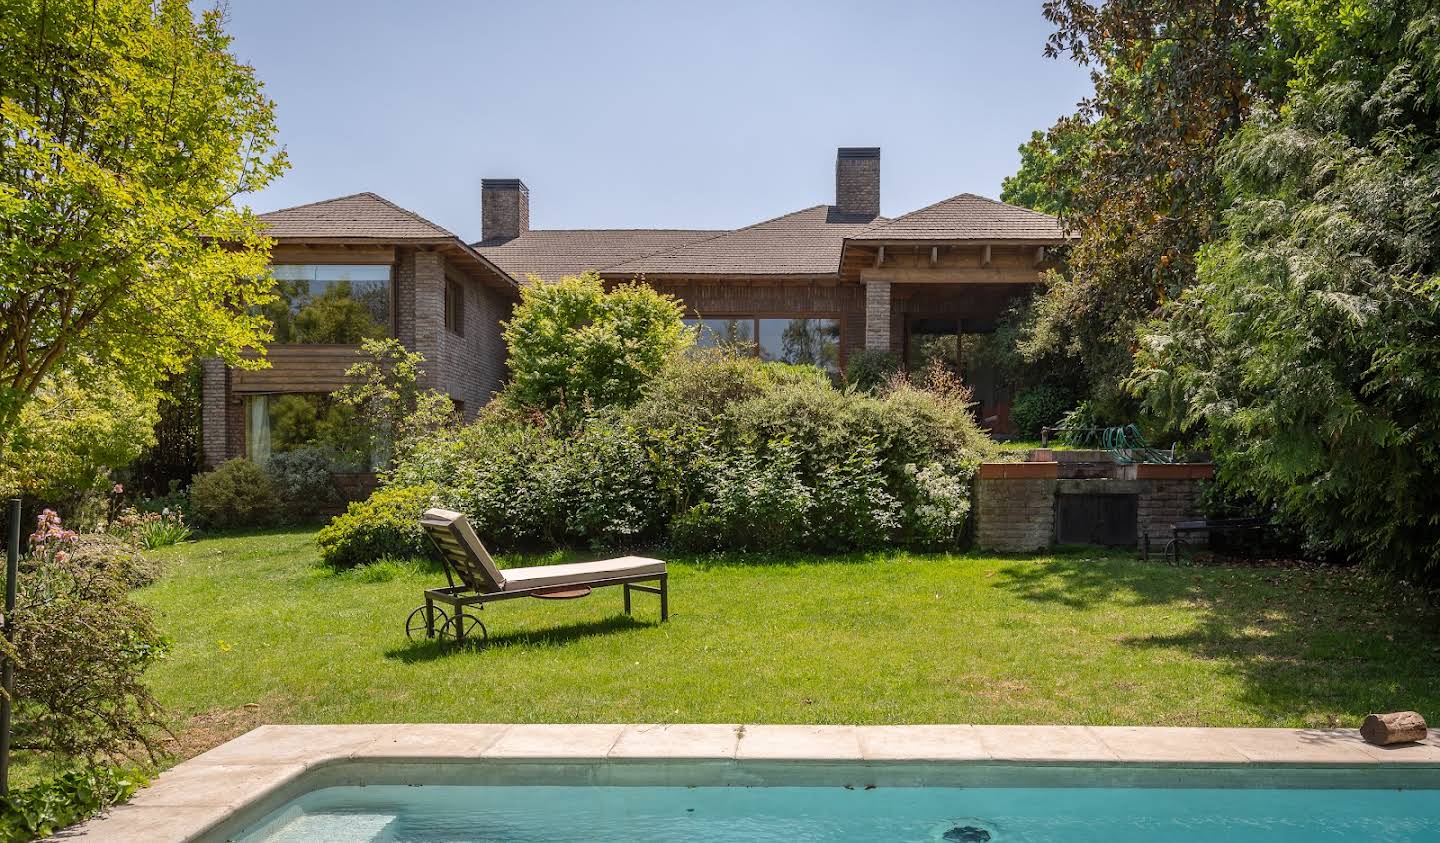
7,671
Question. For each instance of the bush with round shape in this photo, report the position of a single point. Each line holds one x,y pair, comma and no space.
238,493
387,524
1038,406
869,370
301,479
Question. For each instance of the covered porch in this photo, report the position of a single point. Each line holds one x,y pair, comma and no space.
939,303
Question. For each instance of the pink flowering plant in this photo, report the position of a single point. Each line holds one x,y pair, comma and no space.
51,541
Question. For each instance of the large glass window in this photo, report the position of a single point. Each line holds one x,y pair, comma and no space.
330,303
812,341
815,342
275,424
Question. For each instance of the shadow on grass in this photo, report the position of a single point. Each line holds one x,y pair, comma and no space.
1081,581
1322,644
430,650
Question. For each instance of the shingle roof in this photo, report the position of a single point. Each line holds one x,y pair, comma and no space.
360,216
967,217
554,253
806,242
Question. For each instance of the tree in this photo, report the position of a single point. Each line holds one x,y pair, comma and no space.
1307,355
572,344
1133,171
1049,174
127,129
73,432
385,391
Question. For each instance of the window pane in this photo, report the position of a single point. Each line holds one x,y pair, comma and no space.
811,341
309,420
715,333
330,303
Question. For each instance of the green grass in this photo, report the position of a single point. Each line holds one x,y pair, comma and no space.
882,638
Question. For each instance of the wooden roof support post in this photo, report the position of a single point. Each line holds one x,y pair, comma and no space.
1039,255
880,256
934,255
985,256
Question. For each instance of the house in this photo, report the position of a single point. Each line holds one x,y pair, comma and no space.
811,286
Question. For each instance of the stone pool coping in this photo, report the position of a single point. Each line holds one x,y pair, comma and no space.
195,798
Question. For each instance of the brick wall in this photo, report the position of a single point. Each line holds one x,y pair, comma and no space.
1015,503
857,181
428,301
214,395
878,328
472,366
1014,515
1163,503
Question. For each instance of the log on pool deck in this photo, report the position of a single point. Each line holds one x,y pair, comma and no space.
1396,727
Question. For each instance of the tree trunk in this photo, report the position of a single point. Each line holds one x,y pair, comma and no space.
1396,727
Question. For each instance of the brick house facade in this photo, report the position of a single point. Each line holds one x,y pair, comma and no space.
815,285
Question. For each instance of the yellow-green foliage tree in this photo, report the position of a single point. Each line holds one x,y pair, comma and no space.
127,129
574,344
72,432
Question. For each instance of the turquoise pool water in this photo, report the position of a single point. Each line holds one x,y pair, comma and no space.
601,814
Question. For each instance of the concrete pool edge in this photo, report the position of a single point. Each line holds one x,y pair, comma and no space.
267,765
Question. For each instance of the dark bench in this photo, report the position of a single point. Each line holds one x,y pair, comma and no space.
1226,529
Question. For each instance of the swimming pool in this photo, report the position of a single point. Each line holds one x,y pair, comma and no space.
723,782
531,814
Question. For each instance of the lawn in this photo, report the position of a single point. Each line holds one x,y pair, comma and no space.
263,633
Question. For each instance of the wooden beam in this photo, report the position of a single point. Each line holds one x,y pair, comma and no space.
1039,255
952,275
880,256
985,257
934,255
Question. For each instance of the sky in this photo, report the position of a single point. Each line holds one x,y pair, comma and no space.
647,114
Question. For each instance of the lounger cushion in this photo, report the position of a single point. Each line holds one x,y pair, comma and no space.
579,573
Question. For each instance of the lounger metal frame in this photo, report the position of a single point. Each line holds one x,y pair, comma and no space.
458,596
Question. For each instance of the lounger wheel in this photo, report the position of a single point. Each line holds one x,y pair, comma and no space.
415,625
462,628
1172,550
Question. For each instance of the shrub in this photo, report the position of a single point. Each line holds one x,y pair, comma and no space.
150,530
1038,406
612,497
853,507
752,503
941,504
116,557
238,493
301,479
869,369
1082,423
572,344
42,809
81,648
721,451
385,525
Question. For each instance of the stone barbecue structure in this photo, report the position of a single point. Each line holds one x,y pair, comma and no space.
1083,497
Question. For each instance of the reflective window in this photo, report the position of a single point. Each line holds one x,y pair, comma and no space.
330,303
811,341
275,424
815,342
715,333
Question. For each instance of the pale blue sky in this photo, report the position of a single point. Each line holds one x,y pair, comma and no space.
648,114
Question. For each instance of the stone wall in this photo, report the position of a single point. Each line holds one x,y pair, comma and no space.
1016,502
1015,506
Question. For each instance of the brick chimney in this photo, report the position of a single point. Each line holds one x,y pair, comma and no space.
857,180
504,209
